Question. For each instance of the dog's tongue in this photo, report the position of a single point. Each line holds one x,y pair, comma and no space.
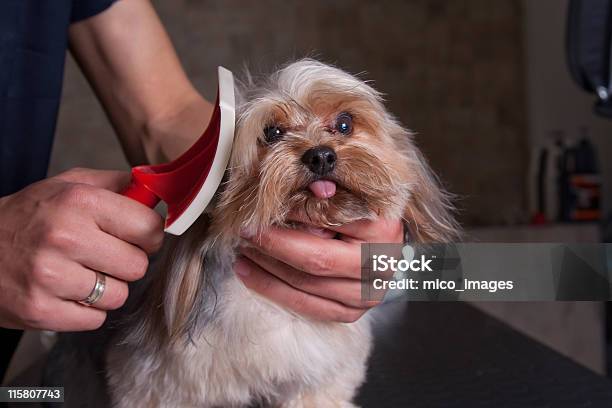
323,188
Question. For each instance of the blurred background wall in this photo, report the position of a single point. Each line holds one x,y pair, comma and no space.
482,83
451,70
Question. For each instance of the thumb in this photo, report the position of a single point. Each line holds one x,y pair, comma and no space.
112,180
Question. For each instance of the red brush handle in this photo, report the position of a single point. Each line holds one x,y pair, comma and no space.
179,181
136,190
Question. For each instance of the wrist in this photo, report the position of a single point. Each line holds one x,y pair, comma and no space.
168,135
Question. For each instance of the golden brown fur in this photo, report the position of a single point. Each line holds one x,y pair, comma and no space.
379,172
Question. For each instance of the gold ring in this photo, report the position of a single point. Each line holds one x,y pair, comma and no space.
96,292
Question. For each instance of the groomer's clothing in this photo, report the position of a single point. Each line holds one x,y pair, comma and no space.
33,43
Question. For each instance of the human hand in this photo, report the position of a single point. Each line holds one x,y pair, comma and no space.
55,233
313,274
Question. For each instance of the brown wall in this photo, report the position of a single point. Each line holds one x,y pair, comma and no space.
452,70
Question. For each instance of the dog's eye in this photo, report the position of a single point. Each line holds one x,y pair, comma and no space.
344,123
273,134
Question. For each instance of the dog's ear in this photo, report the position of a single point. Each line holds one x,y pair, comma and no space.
182,280
429,212
168,311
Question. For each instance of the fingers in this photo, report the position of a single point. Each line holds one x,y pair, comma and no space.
380,230
106,179
120,260
129,221
71,281
58,232
308,253
114,296
312,274
305,304
83,282
72,316
60,315
345,291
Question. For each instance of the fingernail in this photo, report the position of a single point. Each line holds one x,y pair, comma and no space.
241,268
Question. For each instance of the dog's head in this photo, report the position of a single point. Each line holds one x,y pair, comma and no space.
313,143
316,142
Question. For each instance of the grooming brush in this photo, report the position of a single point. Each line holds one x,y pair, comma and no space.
188,184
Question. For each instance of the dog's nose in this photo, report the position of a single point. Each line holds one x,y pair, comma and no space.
321,160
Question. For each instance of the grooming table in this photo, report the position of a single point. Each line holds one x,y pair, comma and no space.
451,355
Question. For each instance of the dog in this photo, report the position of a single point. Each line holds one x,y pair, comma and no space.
312,142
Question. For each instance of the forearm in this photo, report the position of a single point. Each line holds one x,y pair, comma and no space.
166,137
129,60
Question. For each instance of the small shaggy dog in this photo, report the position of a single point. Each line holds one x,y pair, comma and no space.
313,141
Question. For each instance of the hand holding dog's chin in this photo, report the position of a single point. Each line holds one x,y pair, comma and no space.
310,273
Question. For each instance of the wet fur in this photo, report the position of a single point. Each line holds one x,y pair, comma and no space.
201,338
